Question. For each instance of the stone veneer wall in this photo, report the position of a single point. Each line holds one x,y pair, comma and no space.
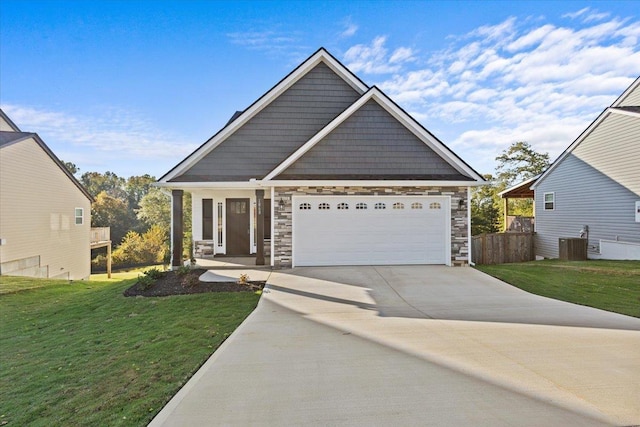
283,225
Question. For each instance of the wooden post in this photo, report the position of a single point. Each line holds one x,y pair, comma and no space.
109,260
506,213
177,228
260,227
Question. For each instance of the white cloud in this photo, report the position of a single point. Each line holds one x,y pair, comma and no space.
519,80
373,58
109,136
350,29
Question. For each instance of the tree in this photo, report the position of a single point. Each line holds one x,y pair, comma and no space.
71,167
109,182
519,162
136,188
155,208
485,208
107,211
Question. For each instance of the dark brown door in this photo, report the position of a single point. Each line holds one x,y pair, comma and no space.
237,226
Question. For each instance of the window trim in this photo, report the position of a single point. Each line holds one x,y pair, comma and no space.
552,202
81,216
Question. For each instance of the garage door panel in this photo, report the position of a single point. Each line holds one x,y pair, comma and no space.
369,236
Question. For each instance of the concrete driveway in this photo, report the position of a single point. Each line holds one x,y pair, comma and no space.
414,345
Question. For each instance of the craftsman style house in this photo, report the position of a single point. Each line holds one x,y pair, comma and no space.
45,213
325,170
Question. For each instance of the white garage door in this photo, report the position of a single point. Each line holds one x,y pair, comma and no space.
370,230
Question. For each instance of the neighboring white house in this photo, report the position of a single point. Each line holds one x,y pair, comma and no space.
327,171
593,188
45,213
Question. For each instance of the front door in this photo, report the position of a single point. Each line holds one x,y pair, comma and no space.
238,227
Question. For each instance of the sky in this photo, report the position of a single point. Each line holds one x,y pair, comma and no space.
133,87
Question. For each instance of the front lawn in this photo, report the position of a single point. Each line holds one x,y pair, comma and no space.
83,354
608,285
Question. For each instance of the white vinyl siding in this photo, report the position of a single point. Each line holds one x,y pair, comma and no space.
347,233
37,213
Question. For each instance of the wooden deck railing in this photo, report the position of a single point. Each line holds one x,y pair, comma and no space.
100,234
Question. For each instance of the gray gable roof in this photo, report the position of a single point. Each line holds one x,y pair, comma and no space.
9,121
372,144
9,137
277,131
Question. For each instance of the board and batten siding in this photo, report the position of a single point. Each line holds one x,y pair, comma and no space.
278,130
597,185
37,213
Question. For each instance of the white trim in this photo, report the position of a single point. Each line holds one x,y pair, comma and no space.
544,201
469,237
273,228
617,110
75,216
320,56
244,185
406,120
368,183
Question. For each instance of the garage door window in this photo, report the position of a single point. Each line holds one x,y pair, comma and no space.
305,206
434,205
380,206
361,206
323,206
398,205
416,205
343,205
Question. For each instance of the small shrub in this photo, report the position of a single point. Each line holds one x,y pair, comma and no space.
183,270
190,281
146,282
154,273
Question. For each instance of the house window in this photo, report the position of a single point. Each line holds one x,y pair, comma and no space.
398,205
219,224
361,206
207,219
343,205
380,205
434,205
549,201
323,206
79,216
305,206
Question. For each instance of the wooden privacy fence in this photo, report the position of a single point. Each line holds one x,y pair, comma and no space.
502,248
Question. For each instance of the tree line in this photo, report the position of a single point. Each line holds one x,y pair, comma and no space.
138,214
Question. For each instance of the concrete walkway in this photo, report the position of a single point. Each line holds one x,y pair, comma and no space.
419,345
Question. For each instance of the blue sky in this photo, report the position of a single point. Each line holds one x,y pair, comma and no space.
134,86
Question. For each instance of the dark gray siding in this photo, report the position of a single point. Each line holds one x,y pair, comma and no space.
278,130
596,185
371,144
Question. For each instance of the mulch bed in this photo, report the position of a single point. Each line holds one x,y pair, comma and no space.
172,283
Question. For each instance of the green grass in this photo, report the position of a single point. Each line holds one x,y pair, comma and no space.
608,285
82,354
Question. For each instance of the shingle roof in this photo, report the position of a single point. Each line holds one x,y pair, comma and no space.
9,137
